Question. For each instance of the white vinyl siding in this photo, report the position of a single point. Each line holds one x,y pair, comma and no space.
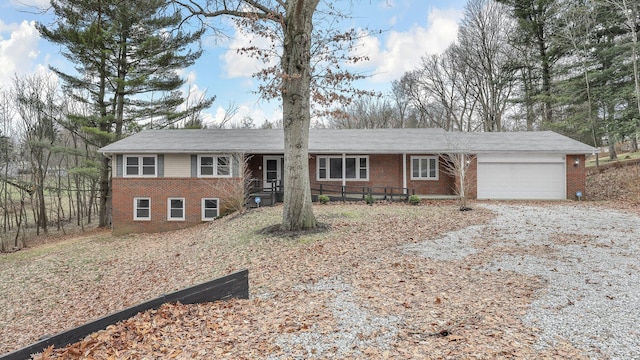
424,168
352,168
210,209
142,208
177,165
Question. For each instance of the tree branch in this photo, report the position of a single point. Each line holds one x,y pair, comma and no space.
263,13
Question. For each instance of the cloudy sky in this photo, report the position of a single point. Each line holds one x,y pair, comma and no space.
411,29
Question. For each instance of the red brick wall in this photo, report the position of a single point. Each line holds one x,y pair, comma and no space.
159,190
255,166
443,186
576,176
386,171
473,178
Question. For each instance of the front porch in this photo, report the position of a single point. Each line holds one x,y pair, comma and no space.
271,192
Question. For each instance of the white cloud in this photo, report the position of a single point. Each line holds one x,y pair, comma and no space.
238,65
257,112
402,51
19,51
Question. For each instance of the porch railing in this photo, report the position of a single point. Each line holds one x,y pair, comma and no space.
262,186
355,193
275,189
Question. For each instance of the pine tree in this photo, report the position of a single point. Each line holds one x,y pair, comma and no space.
127,54
536,24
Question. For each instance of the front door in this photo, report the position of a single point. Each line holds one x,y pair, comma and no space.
273,172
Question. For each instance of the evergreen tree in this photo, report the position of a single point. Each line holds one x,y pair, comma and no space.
127,54
536,25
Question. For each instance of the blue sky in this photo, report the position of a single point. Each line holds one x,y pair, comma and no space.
412,29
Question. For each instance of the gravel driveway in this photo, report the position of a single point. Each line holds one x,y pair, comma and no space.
589,259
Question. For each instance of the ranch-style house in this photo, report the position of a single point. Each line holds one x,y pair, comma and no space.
170,179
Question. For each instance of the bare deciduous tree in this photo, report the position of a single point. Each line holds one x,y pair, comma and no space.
38,106
484,48
234,192
370,112
441,90
310,54
457,164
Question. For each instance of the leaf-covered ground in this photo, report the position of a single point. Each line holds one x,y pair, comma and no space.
405,306
618,185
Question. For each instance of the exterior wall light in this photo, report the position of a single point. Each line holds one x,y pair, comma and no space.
576,162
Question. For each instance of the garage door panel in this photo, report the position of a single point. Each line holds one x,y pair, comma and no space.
505,180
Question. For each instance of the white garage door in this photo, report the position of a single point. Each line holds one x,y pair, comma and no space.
507,176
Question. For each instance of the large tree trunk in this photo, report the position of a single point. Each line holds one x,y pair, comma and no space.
296,67
105,192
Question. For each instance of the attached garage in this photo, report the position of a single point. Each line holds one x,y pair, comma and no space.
521,176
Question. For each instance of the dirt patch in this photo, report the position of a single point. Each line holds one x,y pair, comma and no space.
277,231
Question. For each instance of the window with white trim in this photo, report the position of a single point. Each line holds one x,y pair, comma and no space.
142,208
214,166
210,209
175,209
355,167
424,168
140,165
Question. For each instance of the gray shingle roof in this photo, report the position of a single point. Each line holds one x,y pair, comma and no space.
261,141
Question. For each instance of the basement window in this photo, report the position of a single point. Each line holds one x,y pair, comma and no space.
175,209
142,208
210,209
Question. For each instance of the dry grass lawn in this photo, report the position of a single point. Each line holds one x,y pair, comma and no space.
57,286
64,283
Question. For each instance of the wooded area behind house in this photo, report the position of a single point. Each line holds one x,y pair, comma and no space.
568,66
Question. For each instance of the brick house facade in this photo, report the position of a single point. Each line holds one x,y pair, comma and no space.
168,180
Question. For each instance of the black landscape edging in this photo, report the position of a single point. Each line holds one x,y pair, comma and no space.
235,285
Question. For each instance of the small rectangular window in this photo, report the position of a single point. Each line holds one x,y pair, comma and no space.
432,168
175,208
322,168
335,168
331,168
214,166
210,209
415,168
148,165
363,168
132,166
142,208
206,166
350,172
138,166
424,168
224,166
